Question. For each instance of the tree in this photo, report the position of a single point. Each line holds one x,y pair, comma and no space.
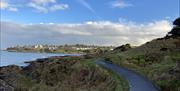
177,22
123,47
176,29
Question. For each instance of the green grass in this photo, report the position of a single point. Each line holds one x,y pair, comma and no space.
155,70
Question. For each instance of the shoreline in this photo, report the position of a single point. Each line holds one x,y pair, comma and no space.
34,56
41,52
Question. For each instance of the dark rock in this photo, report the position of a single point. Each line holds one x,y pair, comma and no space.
10,69
163,49
5,87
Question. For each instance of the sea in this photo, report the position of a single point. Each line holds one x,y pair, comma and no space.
18,58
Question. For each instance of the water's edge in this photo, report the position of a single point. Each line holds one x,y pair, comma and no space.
18,58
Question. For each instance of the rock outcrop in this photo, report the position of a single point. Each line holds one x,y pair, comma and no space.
5,87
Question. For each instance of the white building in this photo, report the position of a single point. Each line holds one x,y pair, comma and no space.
38,46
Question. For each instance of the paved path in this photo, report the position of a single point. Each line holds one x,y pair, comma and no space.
136,82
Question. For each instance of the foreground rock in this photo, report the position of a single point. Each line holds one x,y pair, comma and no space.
5,87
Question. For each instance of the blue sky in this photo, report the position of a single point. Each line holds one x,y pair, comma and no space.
88,18
134,10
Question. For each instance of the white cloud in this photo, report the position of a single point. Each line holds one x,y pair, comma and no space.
39,8
13,9
4,5
120,4
43,2
59,7
99,33
47,5
39,5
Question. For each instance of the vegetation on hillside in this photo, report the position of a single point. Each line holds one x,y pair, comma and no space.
158,60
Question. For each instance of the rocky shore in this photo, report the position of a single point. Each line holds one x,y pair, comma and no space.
58,74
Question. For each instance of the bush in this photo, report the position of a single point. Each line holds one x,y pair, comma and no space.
175,31
177,22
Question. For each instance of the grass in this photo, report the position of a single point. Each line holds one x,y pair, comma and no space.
157,71
157,60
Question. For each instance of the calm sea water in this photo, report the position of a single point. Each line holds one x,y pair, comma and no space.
18,58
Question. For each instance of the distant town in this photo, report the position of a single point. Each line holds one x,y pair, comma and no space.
77,48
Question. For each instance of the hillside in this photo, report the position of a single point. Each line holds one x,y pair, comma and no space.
159,60
160,46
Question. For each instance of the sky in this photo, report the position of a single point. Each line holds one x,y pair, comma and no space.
92,22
